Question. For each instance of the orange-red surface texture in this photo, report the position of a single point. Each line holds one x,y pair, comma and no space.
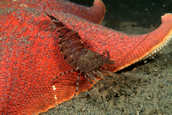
30,58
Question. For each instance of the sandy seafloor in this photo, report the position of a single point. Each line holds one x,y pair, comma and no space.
142,89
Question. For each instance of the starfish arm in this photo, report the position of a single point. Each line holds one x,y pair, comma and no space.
124,49
94,14
99,9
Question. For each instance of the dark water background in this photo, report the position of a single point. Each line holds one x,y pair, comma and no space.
142,89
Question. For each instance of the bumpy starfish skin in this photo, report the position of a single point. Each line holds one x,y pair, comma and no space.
124,49
30,59
94,14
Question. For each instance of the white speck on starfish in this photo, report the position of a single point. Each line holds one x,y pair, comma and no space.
54,87
55,97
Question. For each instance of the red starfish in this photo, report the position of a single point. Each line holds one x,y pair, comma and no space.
30,58
124,49
23,67
88,13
